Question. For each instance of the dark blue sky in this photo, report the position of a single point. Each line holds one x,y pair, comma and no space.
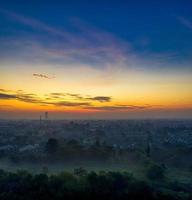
150,26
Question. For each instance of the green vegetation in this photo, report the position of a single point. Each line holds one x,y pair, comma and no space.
85,185
51,146
156,172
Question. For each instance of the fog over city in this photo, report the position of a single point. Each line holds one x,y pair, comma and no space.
95,100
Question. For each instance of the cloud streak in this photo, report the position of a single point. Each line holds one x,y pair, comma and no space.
100,99
186,22
7,96
43,76
80,97
88,46
117,107
32,23
64,100
92,46
57,99
71,104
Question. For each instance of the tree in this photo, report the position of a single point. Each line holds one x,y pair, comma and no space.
52,146
156,172
45,170
80,171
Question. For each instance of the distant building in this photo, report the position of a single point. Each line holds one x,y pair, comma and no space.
46,116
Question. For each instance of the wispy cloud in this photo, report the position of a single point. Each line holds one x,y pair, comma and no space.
88,46
20,96
117,107
36,24
67,100
91,46
71,104
80,97
185,21
7,96
57,99
62,95
43,76
100,99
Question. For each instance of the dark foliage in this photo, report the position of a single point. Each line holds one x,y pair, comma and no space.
156,172
52,146
84,185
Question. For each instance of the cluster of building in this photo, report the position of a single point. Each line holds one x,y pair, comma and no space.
31,135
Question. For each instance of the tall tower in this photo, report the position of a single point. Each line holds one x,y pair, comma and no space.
46,116
40,120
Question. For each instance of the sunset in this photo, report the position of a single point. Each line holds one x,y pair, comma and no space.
95,100
121,63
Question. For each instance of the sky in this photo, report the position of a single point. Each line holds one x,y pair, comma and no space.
99,59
